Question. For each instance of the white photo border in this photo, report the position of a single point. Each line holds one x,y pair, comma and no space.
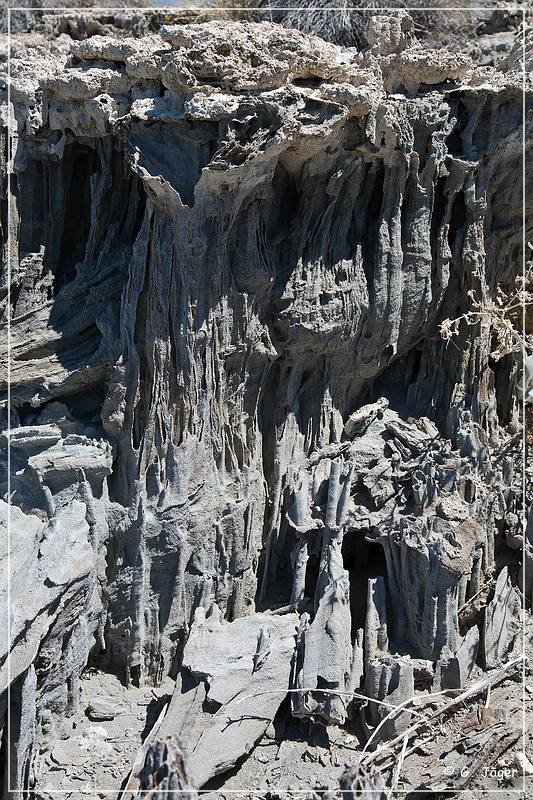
207,10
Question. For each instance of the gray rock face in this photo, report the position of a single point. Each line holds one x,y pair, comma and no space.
163,776
501,622
233,680
241,454
453,672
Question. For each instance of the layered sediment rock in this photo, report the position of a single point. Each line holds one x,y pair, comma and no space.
232,246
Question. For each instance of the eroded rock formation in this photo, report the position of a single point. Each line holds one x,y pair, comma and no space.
239,444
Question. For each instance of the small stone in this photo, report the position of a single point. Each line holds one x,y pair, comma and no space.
68,754
523,763
99,710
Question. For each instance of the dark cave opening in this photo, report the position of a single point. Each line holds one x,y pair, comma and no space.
176,151
437,216
457,226
454,142
75,173
54,205
363,560
506,374
74,410
311,574
367,223
32,187
284,186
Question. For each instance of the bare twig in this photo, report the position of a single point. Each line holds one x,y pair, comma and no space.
354,695
503,314
470,599
398,770
491,680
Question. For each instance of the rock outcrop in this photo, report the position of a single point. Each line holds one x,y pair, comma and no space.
241,453
163,774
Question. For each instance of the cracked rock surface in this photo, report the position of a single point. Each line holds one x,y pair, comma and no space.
250,482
